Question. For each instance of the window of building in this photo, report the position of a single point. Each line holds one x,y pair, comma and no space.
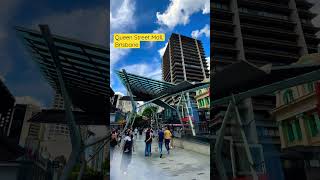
313,124
292,130
219,6
207,100
263,13
309,87
202,102
297,129
288,96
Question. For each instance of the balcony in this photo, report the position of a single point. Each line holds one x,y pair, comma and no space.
221,14
271,55
272,42
224,47
266,21
221,24
224,35
266,5
270,33
223,60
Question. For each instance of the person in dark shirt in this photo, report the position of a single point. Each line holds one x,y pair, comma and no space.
113,142
148,142
160,141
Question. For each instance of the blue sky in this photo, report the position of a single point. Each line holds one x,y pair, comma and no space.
84,20
161,16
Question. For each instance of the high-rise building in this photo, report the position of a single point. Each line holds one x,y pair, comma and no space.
6,108
21,129
115,100
57,129
58,102
184,60
261,32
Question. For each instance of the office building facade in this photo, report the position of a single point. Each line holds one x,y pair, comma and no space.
6,109
21,130
260,32
297,114
57,129
184,60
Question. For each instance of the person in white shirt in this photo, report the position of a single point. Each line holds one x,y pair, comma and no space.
136,133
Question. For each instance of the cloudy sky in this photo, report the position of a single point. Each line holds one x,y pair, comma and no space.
84,20
162,16
88,21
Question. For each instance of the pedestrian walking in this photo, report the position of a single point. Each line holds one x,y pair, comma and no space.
167,138
148,142
136,133
132,138
152,136
160,141
172,137
140,132
127,152
113,142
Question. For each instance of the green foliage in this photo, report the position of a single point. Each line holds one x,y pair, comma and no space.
139,122
147,112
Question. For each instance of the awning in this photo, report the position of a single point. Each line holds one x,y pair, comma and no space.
84,66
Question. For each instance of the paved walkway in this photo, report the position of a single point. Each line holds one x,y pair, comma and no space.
179,165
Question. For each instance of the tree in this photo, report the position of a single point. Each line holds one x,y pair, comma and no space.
140,122
148,112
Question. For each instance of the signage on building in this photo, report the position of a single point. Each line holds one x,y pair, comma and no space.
186,119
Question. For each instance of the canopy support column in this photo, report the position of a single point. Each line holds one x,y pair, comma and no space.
134,107
188,105
179,115
74,131
219,142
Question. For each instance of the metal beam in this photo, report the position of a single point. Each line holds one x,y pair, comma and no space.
245,141
74,131
219,143
298,80
178,93
134,107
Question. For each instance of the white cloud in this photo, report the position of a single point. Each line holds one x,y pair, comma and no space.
150,70
179,12
28,100
116,54
204,31
162,50
121,20
208,62
122,15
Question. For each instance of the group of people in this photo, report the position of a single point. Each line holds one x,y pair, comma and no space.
126,142
127,145
164,136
